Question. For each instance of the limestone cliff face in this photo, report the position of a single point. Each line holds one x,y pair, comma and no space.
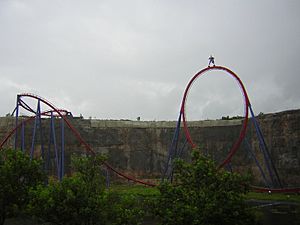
140,148
282,132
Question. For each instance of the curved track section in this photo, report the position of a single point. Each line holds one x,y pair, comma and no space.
46,113
88,148
63,114
242,134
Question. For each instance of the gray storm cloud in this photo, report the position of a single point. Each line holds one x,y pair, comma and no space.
124,59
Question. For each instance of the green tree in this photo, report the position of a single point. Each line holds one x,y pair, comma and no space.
202,194
90,170
70,201
79,199
18,174
124,209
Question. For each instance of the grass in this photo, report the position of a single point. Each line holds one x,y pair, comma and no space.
273,197
139,190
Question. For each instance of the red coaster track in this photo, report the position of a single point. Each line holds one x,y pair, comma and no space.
88,148
63,114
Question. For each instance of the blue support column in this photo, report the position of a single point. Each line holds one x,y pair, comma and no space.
107,178
23,137
256,162
172,149
181,150
55,145
48,157
16,121
41,131
34,129
62,157
267,157
229,167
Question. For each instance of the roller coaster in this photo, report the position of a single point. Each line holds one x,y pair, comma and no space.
55,144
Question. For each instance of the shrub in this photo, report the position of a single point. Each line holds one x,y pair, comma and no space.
79,199
18,174
70,201
82,199
202,194
124,209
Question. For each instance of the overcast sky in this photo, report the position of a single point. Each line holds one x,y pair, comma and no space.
124,59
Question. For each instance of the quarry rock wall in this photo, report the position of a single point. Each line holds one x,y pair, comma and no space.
140,148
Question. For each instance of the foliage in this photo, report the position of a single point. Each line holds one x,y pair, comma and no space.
82,199
90,170
232,118
292,197
70,201
18,174
202,194
153,192
78,199
140,191
125,209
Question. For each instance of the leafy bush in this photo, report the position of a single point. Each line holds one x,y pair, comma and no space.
70,201
18,174
82,199
202,194
79,199
125,209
